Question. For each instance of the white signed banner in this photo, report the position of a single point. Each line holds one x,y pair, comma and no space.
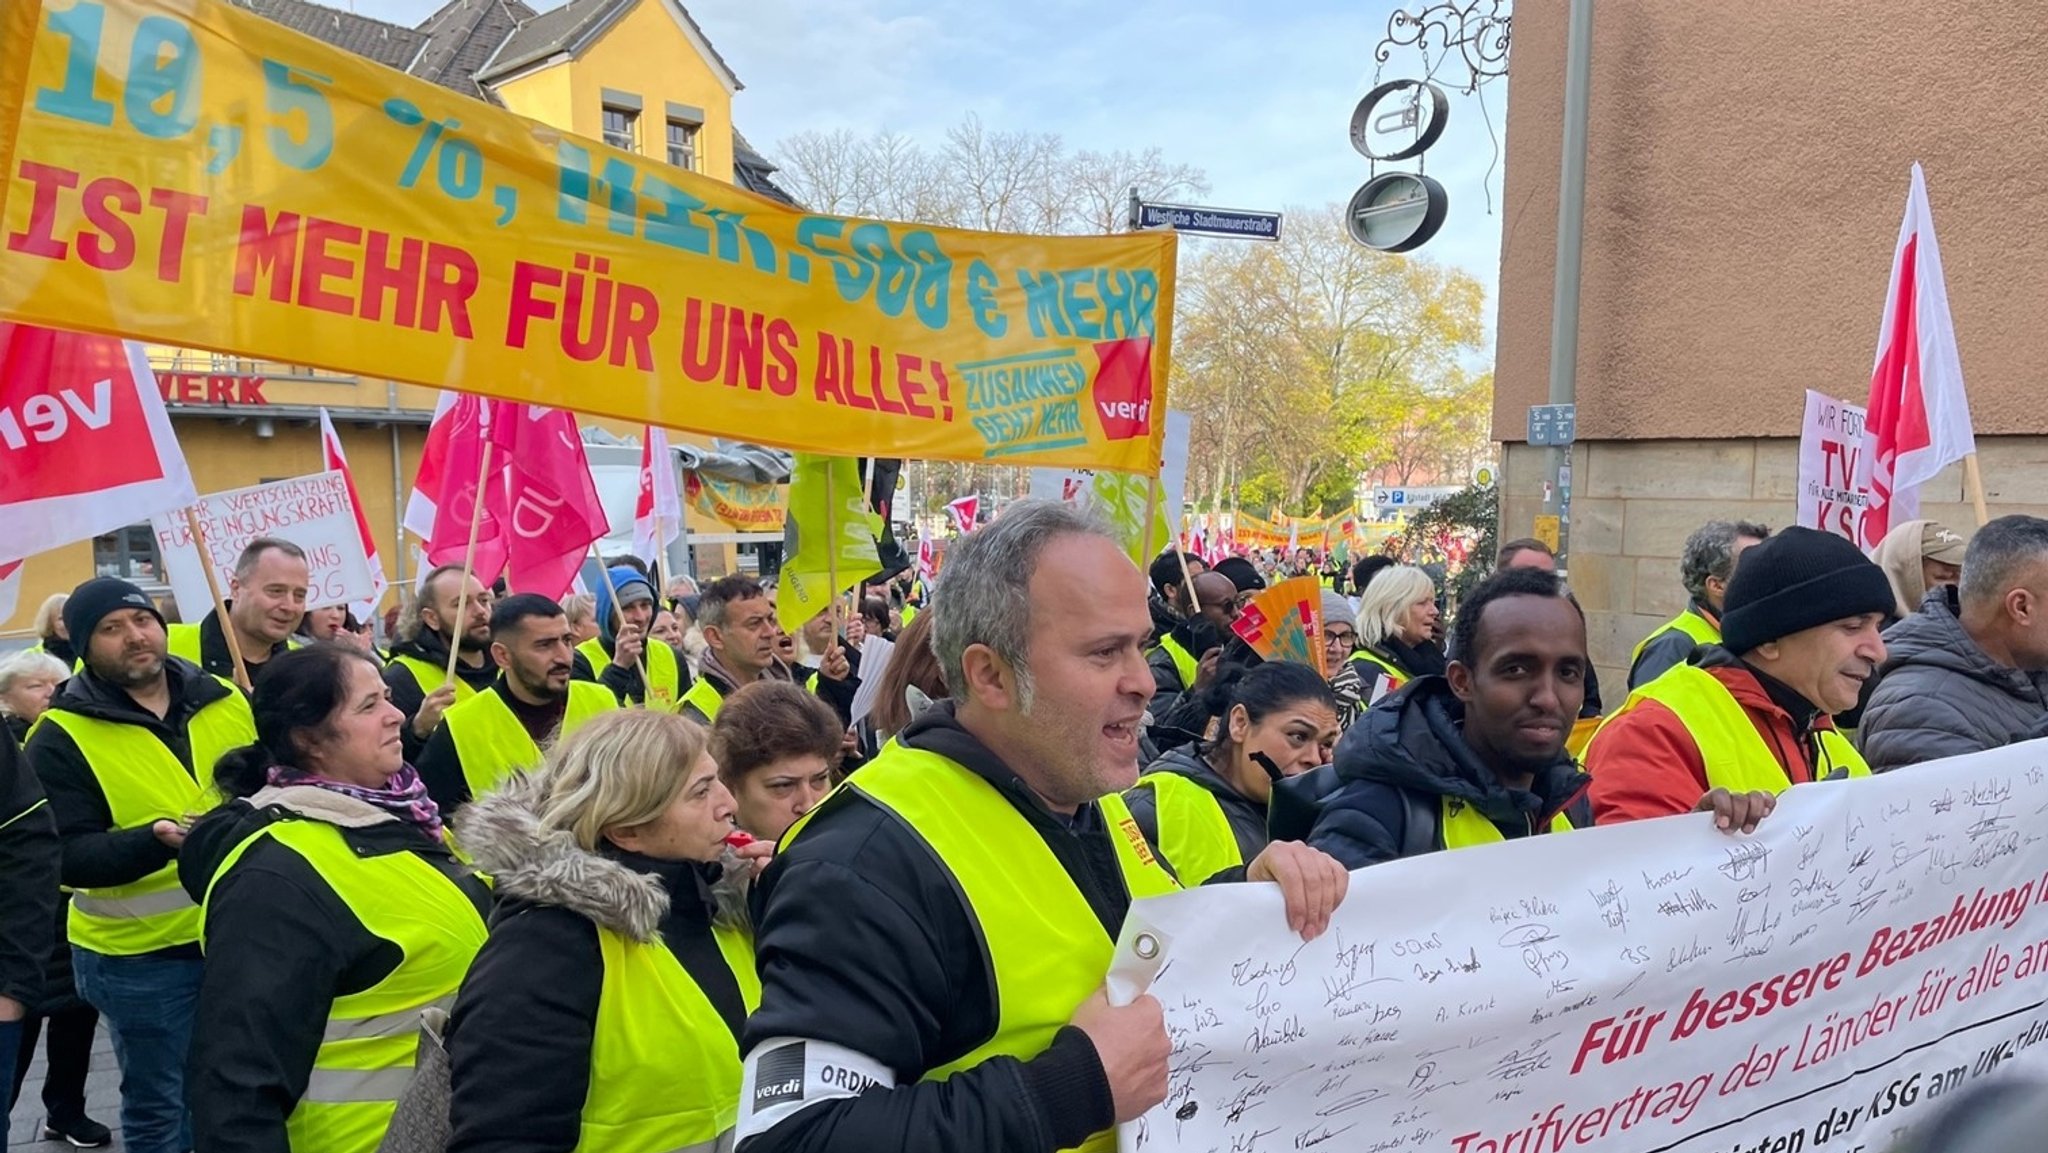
1650,987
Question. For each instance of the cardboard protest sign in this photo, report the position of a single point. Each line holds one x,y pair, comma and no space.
313,512
1830,449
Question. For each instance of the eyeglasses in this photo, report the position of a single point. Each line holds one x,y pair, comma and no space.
1333,638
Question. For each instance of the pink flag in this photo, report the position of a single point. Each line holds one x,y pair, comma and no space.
966,512
426,485
1919,417
927,554
333,459
453,493
658,513
552,510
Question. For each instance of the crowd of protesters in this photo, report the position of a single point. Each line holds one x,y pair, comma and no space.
642,862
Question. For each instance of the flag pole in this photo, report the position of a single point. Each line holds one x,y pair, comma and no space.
459,627
220,604
831,560
619,611
1974,480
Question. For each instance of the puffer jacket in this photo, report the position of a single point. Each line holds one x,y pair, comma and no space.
1939,695
526,1017
1403,756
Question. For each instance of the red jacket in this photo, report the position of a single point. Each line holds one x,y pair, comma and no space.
1645,764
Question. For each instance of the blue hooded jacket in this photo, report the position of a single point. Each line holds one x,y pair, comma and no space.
624,577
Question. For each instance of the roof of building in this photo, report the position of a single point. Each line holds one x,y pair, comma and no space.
753,172
466,43
392,45
462,36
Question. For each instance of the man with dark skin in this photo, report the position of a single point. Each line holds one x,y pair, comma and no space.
1477,755
1179,674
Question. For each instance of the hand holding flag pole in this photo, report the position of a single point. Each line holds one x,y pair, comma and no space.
476,517
619,618
220,604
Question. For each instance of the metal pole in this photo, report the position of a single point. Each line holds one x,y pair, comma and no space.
1571,212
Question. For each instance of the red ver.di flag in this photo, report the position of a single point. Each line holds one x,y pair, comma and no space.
85,444
1919,418
552,514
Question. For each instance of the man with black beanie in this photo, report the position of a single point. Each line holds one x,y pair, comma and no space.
1799,636
125,755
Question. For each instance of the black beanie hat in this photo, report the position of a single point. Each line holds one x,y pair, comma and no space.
1242,573
1797,580
93,600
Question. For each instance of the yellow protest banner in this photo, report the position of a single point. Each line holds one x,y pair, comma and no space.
187,172
735,503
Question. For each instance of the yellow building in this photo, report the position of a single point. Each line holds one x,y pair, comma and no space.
637,74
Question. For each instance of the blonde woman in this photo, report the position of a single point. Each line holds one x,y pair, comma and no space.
605,1011
1395,619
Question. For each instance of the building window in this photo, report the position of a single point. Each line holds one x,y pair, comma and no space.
622,129
128,553
682,145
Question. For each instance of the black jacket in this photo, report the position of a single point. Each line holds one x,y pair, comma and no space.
280,947
96,854
440,765
865,942
1247,817
838,694
527,1013
215,658
1163,616
406,692
28,881
1179,715
1406,754
625,681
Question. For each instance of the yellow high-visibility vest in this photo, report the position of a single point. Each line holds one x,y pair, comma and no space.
144,782
365,1059
1047,948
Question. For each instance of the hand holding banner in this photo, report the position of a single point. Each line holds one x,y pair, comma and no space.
345,215
1650,986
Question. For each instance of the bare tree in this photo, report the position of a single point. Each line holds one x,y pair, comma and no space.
979,177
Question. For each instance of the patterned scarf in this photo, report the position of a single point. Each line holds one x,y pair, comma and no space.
404,796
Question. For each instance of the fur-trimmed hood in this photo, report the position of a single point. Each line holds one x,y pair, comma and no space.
547,867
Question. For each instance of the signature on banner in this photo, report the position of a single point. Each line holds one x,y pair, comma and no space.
1876,945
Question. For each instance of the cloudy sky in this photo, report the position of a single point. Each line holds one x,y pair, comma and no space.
1256,93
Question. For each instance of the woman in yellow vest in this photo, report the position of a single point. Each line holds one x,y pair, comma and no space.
334,914
1395,617
604,1014
1203,808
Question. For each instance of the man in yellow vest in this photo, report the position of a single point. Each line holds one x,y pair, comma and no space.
417,675
737,619
949,913
1705,567
624,637
266,601
1476,756
1799,638
507,727
125,754
1185,660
